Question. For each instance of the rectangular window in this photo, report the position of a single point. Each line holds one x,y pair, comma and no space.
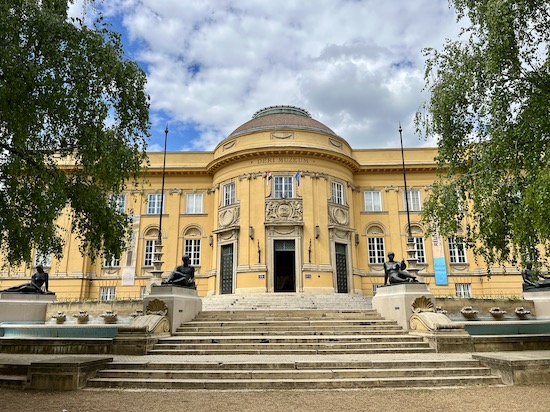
154,204
193,205
107,293
463,290
373,201
457,250
337,190
284,187
229,194
376,249
120,203
114,262
148,253
193,250
420,251
413,195
43,259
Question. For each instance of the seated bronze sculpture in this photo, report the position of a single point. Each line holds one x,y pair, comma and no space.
395,272
182,275
532,280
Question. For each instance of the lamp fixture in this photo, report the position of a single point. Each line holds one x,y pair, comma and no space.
317,232
210,240
356,239
251,232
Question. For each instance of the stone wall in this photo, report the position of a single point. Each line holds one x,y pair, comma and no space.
94,308
453,306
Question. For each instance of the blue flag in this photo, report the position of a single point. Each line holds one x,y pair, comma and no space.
298,177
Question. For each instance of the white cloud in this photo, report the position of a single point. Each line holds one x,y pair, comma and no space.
357,66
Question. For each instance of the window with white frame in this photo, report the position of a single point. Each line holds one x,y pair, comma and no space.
148,253
463,290
193,204
120,202
154,206
457,250
43,259
284,187
229,194
337,190
192,248
114,262
376,249
107,293
413,196
373,200
420,250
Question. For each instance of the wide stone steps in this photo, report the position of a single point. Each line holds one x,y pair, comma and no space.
287,301
231,350
293,375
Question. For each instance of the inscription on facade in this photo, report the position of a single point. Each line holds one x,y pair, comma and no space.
283,160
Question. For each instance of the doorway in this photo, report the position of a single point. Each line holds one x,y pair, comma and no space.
341,268
284,266
226,274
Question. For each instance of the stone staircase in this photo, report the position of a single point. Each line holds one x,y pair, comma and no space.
292,342
284,331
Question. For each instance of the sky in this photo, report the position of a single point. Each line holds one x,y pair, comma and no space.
357,66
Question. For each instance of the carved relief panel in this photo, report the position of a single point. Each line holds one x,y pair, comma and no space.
338,215
283,211
229,216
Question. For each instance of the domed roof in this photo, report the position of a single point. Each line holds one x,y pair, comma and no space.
281,117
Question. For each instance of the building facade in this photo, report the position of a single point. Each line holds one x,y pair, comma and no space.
282,205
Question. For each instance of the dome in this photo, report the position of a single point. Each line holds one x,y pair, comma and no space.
281,118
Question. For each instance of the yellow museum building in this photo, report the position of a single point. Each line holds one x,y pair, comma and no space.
283,204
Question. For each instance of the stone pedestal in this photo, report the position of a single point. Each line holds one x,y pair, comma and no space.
394,302
541,300
24,307
183,303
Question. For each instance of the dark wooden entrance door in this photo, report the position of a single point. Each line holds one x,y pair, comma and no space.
341,268
284,266
227,269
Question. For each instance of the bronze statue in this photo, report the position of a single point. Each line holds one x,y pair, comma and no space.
182,275
532,280
395,272
38,284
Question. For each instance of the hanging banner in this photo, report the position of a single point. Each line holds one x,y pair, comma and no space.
440,265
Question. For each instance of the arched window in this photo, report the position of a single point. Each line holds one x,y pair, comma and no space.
417,233
375,244
150,240
192,245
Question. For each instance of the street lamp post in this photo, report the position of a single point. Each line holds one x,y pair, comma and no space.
157,254
412,260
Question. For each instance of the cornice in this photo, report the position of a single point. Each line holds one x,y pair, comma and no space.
312,153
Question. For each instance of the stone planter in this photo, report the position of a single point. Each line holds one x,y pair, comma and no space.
82,317
468,312
60,317
109,317
497,313
522,313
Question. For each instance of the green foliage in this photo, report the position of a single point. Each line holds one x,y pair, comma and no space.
489,109
73,127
